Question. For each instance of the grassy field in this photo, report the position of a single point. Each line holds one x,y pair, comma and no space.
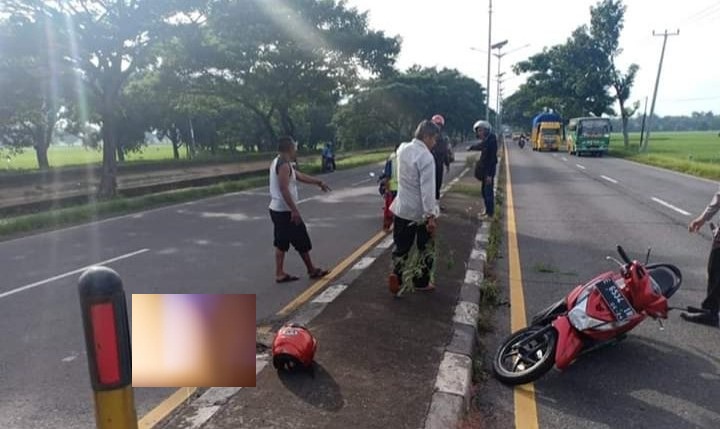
696,153
62,156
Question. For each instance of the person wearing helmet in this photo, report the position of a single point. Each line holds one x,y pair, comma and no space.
486,166
441,153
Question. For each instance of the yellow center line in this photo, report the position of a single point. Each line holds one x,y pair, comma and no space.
181,395
339,268
166,407
526,416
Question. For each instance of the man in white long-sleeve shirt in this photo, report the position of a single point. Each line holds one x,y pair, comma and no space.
415,207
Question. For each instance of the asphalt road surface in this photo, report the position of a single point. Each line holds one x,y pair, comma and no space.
217,245
572,212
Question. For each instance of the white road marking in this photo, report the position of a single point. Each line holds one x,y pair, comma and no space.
363,263
69,358
564,159
386,244
580,166
670,206
70,273
363,181
609,179
330,294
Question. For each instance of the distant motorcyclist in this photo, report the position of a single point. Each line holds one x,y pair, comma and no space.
328,158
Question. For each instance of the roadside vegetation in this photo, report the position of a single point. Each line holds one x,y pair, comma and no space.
695,153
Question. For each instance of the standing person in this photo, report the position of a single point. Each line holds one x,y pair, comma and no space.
289,228
390,186
487,164
415,207
707,314
441,153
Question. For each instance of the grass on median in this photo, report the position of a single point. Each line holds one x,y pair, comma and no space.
121,205
695,153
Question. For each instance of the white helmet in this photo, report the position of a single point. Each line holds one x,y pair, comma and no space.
482,124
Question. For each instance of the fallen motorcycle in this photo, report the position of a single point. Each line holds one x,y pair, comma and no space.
593,315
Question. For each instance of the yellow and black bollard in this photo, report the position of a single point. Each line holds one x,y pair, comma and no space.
107,339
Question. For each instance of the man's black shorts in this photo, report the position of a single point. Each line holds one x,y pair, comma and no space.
287,233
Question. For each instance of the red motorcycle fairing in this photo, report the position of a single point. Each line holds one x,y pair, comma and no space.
569,342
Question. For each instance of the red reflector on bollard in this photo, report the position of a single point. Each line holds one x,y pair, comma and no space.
105,340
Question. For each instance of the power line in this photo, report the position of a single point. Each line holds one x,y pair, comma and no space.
702,12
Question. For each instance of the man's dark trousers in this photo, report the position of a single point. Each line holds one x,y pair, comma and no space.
405,235
712,301
488,193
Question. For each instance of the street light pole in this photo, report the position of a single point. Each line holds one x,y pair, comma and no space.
489,58
657,82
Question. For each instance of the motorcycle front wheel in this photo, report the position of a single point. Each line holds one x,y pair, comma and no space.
526,355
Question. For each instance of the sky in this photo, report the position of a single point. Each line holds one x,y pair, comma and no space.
443,33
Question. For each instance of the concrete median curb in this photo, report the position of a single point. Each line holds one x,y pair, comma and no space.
452,395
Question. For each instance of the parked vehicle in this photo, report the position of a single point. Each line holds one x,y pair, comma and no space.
593,315
589,136
546,132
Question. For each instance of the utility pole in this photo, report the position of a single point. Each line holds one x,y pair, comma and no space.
489,58
657,82
642,127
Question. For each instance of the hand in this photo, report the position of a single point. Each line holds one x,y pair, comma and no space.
696,224
295,217
324,187
431,225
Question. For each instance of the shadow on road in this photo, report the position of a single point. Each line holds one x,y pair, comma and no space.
638,383
318,388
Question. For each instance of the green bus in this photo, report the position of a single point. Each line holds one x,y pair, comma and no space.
588,136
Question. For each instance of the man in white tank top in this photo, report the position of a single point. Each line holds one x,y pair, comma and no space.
289,228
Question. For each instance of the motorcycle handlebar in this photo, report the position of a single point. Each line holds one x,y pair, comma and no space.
623,255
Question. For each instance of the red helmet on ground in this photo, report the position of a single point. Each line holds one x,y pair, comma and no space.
293,348
439,120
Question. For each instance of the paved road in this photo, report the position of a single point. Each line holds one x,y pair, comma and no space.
216,245
572,212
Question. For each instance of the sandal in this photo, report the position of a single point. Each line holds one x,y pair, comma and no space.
287,279
318,273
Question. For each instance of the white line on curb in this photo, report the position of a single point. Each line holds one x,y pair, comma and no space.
473,277
670,206
454,374
386,244
70,273
466,313
609,179
580,166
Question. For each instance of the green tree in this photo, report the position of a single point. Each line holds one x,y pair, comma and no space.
106,42
32,87
606,24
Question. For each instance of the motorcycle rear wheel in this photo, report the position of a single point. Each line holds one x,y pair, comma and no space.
517,362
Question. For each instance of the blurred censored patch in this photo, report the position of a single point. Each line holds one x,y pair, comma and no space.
193,340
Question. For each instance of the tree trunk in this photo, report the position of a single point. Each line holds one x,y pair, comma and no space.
43,138
624,122
41,153
108,181
175,145
120,154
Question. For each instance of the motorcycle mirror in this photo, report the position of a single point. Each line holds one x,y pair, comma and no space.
647,258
